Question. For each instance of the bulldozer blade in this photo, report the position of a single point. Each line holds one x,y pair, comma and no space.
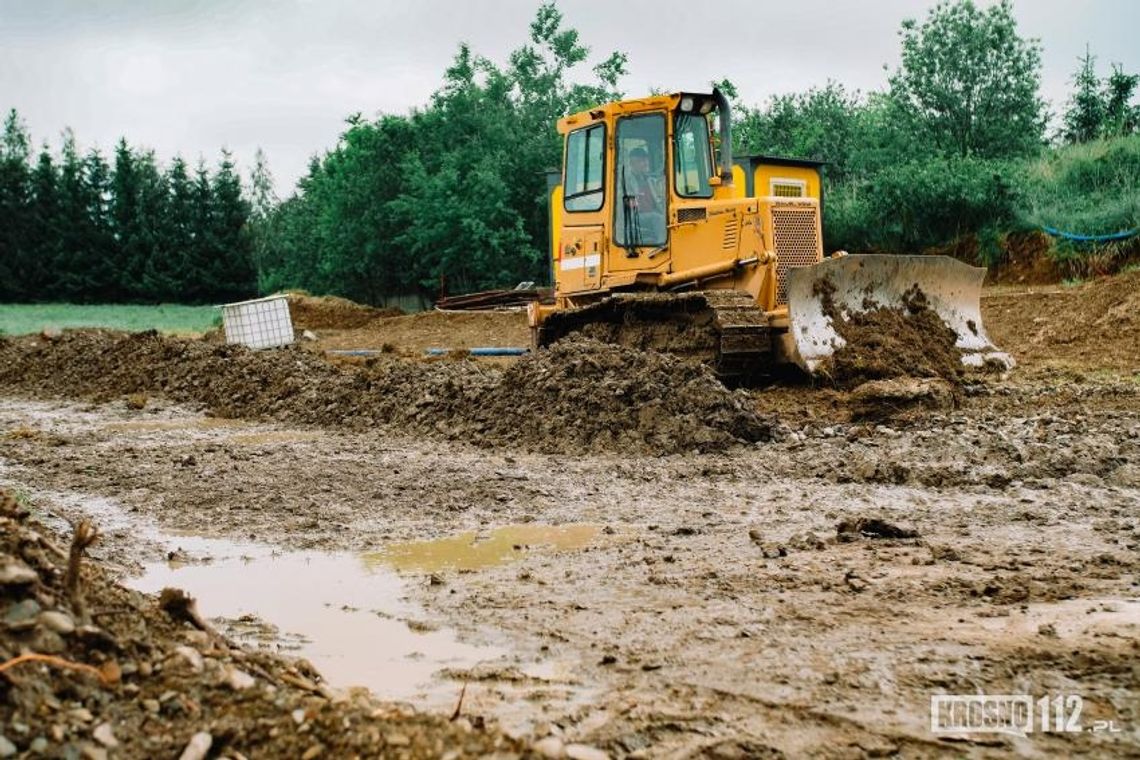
863,282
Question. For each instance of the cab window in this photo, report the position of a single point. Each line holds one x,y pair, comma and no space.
691,156
585,158
639,214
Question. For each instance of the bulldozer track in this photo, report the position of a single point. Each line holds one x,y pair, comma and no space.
721,328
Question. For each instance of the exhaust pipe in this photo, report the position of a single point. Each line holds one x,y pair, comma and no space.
724,111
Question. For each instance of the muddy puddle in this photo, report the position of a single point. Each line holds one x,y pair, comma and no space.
181,424
345,616
224,430
476,551
347,613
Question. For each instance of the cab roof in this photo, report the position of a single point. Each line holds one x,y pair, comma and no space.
624,107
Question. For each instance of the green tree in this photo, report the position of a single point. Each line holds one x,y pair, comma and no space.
262,202
821,123
40,275
15,231
168,273
1085,117
229,269
969,83
1121,117
262,195
201,249
101,250
152,244
132,247
78,271
454,190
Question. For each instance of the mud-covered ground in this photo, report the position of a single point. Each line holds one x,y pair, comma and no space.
93,670
801,593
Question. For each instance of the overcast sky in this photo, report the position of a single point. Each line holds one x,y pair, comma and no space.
188,77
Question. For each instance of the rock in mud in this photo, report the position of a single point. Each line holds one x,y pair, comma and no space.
239,680
57,622
16,574
22,614
197,747
585,752
871,527
806,541
550,747
901,397
105,736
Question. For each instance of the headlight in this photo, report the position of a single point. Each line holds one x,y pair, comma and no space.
687,103
707,106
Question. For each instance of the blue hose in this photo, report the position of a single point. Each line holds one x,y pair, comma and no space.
1091,238
482,351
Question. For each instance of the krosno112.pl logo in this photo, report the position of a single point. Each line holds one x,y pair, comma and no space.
1013,714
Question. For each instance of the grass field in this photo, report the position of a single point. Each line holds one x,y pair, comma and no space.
21,319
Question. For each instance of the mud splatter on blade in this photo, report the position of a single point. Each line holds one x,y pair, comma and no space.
863,282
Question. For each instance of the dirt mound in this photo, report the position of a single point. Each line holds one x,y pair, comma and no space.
414,333
333,313
594,395
579,395
104,668
884,343
1095,325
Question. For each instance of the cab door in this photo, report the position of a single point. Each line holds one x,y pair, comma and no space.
580,244
640,239
701,234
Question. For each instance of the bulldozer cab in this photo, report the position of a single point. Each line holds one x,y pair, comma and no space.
654,222
629,170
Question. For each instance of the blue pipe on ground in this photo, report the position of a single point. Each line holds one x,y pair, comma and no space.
482,351
1091,238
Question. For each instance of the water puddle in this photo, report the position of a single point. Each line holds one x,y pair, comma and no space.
182,423
475,551
346,617
245,433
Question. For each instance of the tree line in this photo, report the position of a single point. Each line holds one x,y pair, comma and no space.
456,189
79,227
947,149
453,195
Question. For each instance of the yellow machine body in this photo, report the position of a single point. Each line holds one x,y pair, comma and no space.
717,237
657,231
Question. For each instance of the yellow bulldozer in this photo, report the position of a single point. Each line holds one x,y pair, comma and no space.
662,240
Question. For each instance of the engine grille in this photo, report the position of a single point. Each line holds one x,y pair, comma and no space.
731,234
691,214
796,236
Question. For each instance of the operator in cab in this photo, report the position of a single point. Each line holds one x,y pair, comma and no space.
644,202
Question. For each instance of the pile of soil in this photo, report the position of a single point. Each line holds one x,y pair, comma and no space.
1095,325
579,395
333,313
415,333
592,395
113,674
884,343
